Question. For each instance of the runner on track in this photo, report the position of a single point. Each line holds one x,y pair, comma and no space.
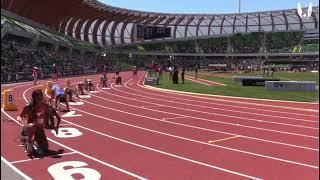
59,95
70,91
32,118
35,75
135,72
103,80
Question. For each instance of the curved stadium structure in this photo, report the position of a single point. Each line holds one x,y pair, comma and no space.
103,25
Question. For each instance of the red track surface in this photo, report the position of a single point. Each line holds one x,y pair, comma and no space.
132,132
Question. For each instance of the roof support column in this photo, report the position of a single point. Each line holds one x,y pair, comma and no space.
272,21
198,25
210,23
234,23
286,20
221,27
187,25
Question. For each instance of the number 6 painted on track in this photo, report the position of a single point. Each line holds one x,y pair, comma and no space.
59,172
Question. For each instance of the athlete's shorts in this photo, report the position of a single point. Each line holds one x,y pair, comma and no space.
61,97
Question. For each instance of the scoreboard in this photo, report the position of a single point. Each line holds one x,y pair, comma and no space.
152,32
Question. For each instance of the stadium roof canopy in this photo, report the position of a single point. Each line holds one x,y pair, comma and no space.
104,25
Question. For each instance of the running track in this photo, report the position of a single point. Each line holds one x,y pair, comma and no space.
136,132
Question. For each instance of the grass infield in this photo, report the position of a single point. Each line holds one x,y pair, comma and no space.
236,89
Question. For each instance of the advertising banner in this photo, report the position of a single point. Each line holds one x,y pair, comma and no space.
291,85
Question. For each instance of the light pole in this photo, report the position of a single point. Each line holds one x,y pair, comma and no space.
130,59
173,60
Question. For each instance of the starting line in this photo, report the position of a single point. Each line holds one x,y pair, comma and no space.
94,91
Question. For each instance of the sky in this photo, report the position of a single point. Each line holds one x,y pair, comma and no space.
208,6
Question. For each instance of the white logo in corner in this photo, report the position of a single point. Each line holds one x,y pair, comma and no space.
304,15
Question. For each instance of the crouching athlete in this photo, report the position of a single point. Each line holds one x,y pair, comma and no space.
88,84
32,118
69,91
49,120
59,95
103,80
80,88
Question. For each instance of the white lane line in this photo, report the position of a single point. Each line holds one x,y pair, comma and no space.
150,106
223,109
203,96
208,97
163,152
94,91
196,127
202,119
192,140
64,124
173,118
15,169
239,107
213,82
198,81
26,160
84,96
231,116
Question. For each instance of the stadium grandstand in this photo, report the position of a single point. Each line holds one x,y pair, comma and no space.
93,91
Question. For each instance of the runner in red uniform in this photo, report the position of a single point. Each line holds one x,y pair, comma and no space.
33,118
103,80
135,72
35,75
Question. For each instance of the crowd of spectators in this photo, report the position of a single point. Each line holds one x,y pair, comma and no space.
19,58
257,42
278,42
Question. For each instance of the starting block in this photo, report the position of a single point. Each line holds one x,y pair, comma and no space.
43,89
48,89
8,101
